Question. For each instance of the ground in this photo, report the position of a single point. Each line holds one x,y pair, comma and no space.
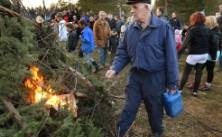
202,116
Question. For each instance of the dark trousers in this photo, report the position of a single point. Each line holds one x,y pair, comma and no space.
220,61
148,87
198,75
210,65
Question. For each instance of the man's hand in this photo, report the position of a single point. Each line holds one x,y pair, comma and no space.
172,90
110,74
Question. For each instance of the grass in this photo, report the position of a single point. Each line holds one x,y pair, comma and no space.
202,116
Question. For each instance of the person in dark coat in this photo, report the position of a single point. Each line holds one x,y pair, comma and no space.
111,21
119,23
72,37
211,22
198,42
174,22
149,45
219,20
113,43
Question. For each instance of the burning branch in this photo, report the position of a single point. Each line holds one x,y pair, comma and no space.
40,90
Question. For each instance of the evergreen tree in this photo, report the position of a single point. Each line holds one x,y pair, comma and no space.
186,7
108,6
16,40
22,44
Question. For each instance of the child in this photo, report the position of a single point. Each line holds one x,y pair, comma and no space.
87,44
72,37
178,38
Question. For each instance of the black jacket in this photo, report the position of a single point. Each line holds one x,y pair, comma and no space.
219,20
198,39
72,40
214,42
175,23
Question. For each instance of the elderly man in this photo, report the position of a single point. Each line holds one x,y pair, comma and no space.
149,45
101,33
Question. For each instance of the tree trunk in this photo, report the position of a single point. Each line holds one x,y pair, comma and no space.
6,11
166,7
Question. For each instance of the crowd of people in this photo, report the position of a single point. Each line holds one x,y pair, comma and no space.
108,30
153,44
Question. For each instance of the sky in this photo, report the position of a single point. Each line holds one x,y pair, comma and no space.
37,3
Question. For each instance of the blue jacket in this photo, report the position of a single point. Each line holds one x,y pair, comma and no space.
152,49
87,40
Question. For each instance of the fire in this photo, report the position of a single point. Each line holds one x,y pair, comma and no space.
40,91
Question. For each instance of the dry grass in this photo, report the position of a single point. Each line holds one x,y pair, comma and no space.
202,116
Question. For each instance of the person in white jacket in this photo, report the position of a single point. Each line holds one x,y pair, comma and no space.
62,32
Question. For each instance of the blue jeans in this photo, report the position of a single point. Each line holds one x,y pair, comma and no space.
88,58
102,56
148,87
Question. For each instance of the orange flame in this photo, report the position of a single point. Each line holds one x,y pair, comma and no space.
40,90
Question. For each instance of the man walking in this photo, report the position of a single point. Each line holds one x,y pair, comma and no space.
149,45
101,32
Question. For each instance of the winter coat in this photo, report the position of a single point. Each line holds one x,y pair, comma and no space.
152,50
113,41
87,40
219,20
72,40
175,23
112,23
101,33
198,39
214,43
62,31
